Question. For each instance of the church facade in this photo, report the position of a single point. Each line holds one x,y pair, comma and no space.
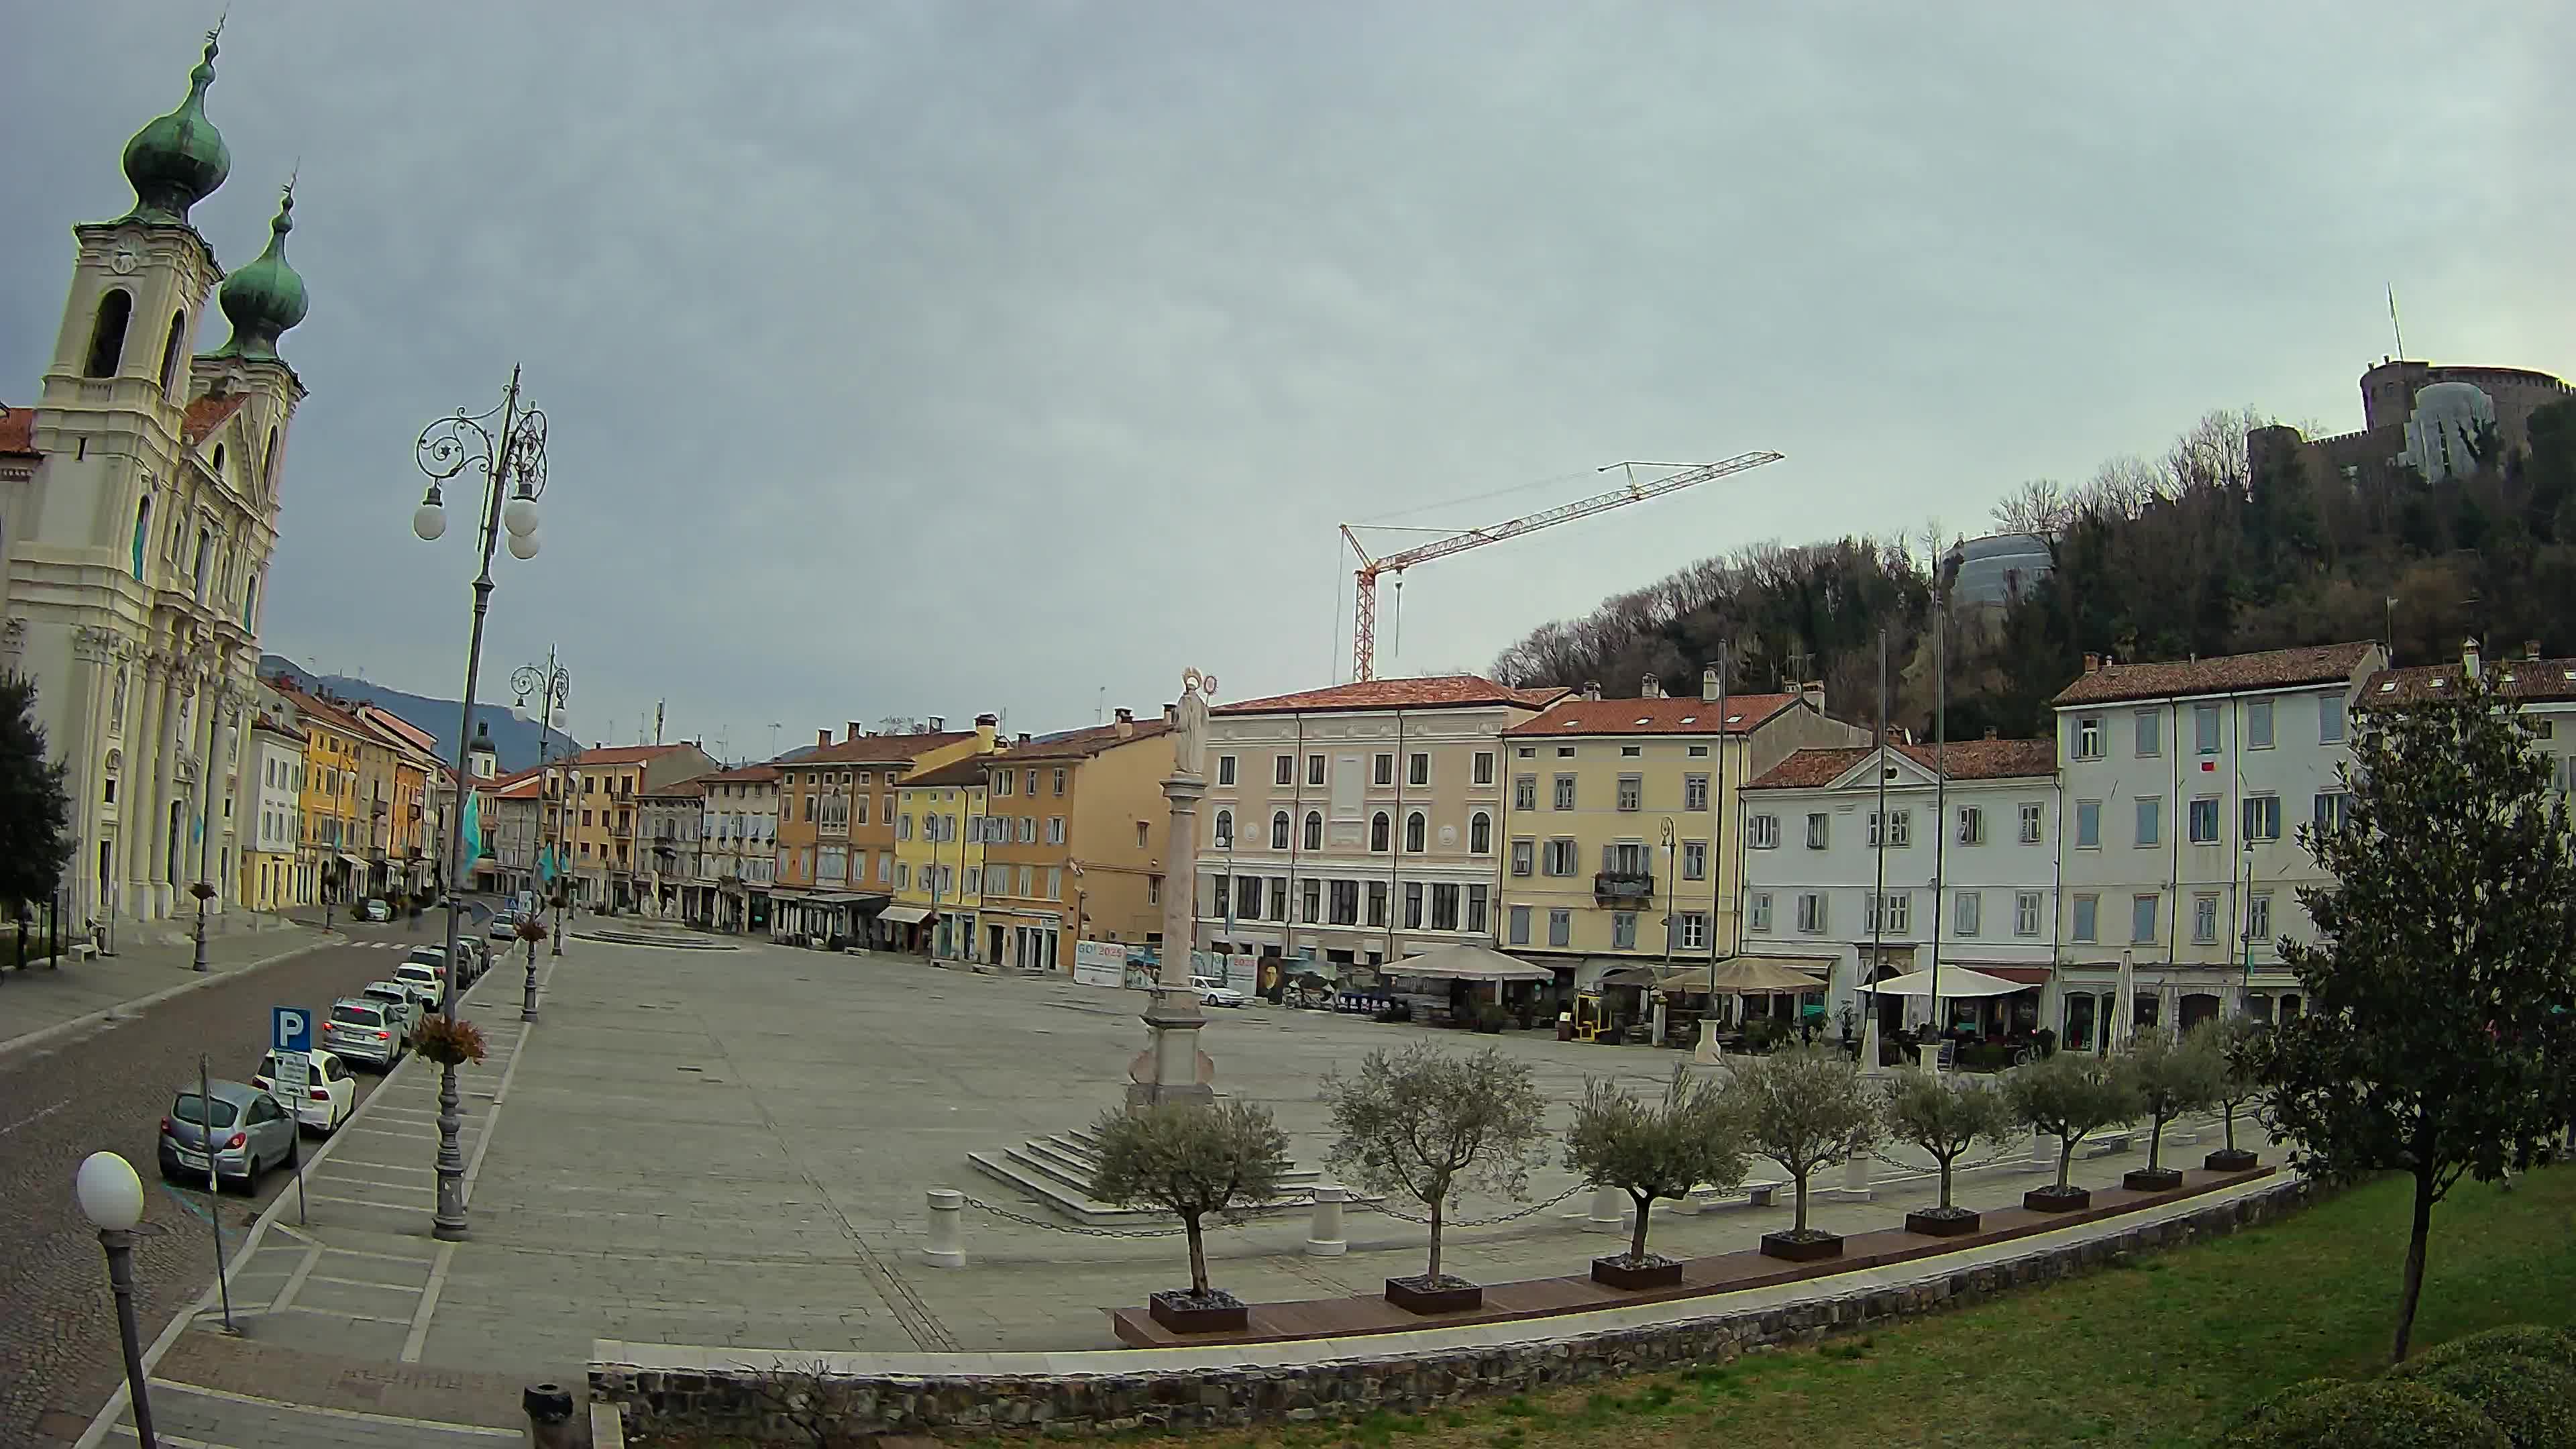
139,498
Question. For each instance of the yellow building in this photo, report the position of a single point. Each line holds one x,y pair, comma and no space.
1074,834
334,833
411,852
835,846
939,859
1622,828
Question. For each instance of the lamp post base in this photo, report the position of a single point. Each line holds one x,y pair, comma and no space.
449,1223
528,995
119,1244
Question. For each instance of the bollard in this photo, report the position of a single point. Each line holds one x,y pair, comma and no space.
947,1229
2043,1158
1855,1186
549,1410
1609,1211
1324,1234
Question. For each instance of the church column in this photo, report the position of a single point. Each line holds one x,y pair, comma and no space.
141,819
93,670
170,839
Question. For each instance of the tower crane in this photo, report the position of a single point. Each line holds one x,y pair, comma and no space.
1364,606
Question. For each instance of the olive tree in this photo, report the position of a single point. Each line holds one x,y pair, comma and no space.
2444,940
1193,1161
2240,1044
1806,1110
1431,1125
2070,1096
2170,1076
1946,1115
1655,1150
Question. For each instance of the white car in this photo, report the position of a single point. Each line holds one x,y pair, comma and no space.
427,982
376,910
1213,992
398,999
330,1093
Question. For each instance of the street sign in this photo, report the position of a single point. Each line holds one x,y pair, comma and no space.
290,1028
290,1036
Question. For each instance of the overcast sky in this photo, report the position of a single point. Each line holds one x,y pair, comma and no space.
932,358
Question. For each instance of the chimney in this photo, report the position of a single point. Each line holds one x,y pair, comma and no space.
822,738
1592,689
938,724
2092,663
987,726
1709,687
2469,657
1650,687
855,731
1171,715
2530,648
1024,737
1813,694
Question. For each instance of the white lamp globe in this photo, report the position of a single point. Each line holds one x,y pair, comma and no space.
111,1196
519,515
524,545
429,522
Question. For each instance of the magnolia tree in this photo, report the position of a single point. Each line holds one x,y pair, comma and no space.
2168,1077
1946,1115
1194,1162
2444,944
2069,1096
1432,1126
1655,1150
1806,1110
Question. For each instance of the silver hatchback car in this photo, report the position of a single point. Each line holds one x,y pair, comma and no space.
243,1127
363,1030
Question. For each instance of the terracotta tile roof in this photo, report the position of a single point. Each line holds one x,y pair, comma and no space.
879,749
968,771
1082,744
2271,669
18,430
747,775
321,709
624,754
2527,679
1573,716
689,787
208,413
276,727
1962,759
1439,691
524,786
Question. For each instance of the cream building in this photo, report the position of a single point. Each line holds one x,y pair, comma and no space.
1358,824
273,817
138,522
737,849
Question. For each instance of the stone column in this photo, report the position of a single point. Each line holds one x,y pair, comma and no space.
1171,1069
93,650
149,786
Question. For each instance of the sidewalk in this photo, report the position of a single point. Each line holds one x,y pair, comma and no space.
150,961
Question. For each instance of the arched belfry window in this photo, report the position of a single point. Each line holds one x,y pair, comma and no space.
142,531
170,352
107,334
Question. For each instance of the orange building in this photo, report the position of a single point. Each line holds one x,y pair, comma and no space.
836,810
1074,835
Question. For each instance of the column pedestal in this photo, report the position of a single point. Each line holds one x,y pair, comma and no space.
1172,1068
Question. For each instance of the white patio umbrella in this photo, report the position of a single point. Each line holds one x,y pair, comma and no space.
2124,1010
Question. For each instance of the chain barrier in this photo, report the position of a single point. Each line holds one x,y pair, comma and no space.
1424,1220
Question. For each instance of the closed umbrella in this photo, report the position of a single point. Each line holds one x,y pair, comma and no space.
2124,1011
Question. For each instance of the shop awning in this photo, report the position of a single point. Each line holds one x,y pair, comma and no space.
2026,975
1467,963
356,862
1755,975
842,898
1955,981
905,915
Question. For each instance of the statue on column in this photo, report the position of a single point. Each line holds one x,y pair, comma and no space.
1189,730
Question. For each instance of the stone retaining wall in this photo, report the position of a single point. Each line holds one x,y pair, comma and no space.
759,1406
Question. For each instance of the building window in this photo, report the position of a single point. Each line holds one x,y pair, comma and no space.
1382,768
1444,907
1314,830
2330,721
1520,925
2204,918
1632,792
1623,930
2258,918
1284,774
1417,769
2204,729
2262,817
1560,927
2088,824
1972,825
1694,860
1346,903
1313,891
2333,808
1899,828
1694,792
1224,773
1812,912
1480,833
1247,891
1060,775
1224,830
1525,792
1892,912
2088,737
2150,733
2258,724
1415,830
1757,910
1967,913
1565,792
1484,768
1560,857
2026,913
1314,769
1762,832
1820,830
2142,919
2204,820
2033,813
1524,856
1380,831
1413,905
2151,819
1055,883
2088,910
107,333
1279,830
1221,896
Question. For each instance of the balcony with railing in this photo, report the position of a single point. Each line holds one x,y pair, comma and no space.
1620,887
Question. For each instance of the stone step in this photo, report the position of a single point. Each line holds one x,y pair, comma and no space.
1068,1194
1074,1168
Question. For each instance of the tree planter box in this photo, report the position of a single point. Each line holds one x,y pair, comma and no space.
1934,1223
1815,1247
2156,1179
2056,1199
1429,1295
1186,1312
2231,1159
1621,1271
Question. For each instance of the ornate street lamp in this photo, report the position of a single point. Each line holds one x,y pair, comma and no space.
507,445
556,685
111,1197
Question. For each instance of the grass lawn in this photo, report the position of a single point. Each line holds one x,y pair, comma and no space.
2162,1352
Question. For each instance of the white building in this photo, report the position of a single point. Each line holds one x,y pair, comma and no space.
737,856
2543,690
273,803
1963,872
2185,784
138,509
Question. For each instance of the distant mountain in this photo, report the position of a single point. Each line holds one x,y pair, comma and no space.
514,739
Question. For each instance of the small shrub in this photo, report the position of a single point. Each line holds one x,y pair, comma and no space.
2532,1400
448,1041
2381,1415
2514,1340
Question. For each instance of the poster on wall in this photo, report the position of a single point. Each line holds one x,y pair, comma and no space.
1243,973
1099,963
